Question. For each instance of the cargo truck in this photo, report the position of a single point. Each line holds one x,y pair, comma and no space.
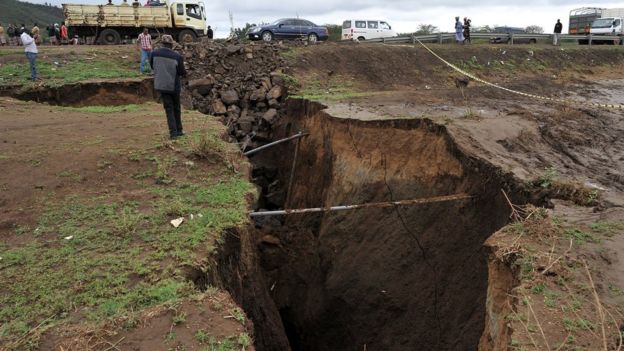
185,20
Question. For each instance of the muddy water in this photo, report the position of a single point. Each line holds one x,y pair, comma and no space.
392,279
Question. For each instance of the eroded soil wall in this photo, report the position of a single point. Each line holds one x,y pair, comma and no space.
102,93
402,278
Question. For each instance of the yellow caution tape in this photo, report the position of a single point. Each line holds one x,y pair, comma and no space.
533,96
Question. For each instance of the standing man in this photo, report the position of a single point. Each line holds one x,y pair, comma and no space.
145,45
459,29
2,38
51,34
168,67
30,48
209,33
557,34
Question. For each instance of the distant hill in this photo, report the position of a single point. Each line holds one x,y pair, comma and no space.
18,12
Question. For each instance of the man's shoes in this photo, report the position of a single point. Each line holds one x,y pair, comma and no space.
179,134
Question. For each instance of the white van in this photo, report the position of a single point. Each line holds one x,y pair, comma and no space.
366,29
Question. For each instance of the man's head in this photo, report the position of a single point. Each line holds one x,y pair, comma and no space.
167,41
457,18
145,30
35,24
62,23
558,21
208,27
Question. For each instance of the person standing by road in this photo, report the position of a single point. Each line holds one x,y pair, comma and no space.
145,45
51,34
459,29
209,33
64,34
168,67
30,48
557,33
467,24
2,37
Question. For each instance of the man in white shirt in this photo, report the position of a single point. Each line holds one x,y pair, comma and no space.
30,48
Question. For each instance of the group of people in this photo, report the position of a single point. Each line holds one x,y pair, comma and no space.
12,35
462,30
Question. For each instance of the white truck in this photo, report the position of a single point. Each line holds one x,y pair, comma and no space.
610,22
185,20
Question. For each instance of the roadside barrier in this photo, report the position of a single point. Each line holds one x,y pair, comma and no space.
533,96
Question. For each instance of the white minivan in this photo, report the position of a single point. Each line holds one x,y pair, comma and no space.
366,29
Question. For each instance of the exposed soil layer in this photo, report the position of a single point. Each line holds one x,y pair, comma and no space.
114,92
385,278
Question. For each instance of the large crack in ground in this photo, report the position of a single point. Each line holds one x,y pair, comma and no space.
382,279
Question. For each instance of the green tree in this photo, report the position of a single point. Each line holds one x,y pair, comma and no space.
426,29
335,32
241,33
534,29
483,29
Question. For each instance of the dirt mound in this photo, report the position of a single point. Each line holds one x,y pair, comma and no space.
387,67
242,82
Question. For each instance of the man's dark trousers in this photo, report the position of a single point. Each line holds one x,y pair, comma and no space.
171,102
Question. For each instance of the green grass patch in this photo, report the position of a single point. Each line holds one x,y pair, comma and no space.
105,257
334,88
105,109
55,73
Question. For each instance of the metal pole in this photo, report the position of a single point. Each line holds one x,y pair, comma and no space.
446,198
296,136
292,172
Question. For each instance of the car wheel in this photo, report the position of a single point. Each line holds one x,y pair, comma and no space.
313,38
361,38
109,37
532,41
267,36
187,36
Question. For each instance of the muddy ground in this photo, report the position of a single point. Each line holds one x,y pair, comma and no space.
393,123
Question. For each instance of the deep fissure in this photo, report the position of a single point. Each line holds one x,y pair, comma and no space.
393,279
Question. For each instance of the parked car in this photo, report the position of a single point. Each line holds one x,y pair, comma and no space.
366,29
511,30
289,28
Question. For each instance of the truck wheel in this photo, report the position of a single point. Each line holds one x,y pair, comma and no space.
532,41
361,38
187,36
109,37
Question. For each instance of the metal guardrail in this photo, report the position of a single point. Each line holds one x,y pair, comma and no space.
504,37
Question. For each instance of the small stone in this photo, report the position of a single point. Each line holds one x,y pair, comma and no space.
270,115
273,103
275,93
258,94
218,108
202,86
271,240
229,97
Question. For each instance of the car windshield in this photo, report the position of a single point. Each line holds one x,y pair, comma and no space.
603,23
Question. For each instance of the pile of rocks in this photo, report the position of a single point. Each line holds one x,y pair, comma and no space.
242,82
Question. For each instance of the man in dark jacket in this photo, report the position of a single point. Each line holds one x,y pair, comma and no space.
557,32
168,67
209,33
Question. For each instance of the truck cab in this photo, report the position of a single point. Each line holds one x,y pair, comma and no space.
189,14
607,26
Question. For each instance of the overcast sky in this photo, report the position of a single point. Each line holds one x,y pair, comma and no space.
403,15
